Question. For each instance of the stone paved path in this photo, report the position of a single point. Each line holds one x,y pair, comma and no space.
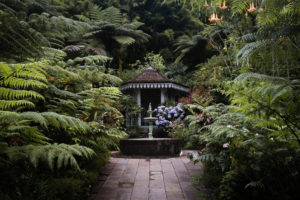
148,179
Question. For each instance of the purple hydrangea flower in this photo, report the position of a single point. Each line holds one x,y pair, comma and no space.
166,115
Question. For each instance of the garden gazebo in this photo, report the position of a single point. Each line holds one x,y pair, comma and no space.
151,87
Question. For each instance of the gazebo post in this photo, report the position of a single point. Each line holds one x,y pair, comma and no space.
163,92
138,102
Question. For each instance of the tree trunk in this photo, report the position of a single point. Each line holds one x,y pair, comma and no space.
120,67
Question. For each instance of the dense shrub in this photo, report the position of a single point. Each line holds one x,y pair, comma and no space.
252,150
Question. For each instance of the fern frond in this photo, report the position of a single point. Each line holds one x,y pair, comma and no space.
17,78
53,54
255,184
239,7
293,8
83,18
63,93
124,40
18,83
60,72
63,121
54,155
73,48
8,105
250,48
111,15
112,93
260,77
137,24
109,79
111,138
9,116
35,117
94,12
9,94
35,75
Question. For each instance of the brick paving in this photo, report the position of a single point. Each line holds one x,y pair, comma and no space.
148,179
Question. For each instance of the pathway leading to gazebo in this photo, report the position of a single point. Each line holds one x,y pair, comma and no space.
148,179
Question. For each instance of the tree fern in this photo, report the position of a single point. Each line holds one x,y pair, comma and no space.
108,23
96,14
25,37
185,44
19,39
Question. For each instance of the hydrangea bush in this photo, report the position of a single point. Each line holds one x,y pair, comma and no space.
166,115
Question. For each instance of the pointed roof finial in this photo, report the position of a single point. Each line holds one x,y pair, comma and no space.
150,67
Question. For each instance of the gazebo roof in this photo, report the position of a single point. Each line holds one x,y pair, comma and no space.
150,76
151,79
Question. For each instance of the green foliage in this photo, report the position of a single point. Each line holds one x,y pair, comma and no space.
23,34
178,72
111,15
276,30
108,23
61,154
186,44
258,137
96,14
61,110
47,126
156,60
18,38
17,82
99,78
194,124
272,102
183,132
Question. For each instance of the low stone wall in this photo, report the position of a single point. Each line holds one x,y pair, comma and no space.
151,147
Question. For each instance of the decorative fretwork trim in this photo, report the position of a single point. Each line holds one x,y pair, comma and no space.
154,86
